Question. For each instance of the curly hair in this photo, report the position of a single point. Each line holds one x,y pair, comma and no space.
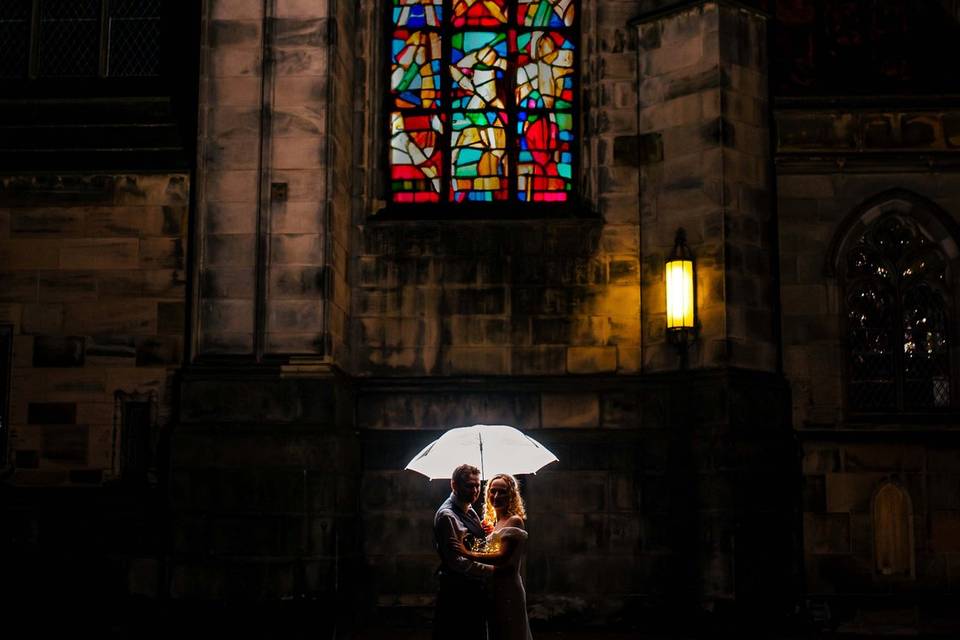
515,505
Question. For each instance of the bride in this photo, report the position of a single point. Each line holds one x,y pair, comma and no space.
508,609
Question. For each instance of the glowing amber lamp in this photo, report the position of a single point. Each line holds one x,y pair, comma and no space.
681,297
679,294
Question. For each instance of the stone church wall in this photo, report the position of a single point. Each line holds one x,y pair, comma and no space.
93,283
331,341
841,478
903,162
812,207
273,208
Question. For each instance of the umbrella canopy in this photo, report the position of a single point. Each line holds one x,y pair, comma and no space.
492,448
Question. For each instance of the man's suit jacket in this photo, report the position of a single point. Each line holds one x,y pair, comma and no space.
461,612
450,526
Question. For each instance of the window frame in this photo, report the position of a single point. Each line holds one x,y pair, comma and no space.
166,82
899,414
511,209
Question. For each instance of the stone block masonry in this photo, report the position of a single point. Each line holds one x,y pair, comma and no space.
531,298
814,206
705,162
94,287
274,208
840,483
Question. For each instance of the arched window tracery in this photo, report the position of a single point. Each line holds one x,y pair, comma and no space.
897,320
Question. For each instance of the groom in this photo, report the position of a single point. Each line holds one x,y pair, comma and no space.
461,600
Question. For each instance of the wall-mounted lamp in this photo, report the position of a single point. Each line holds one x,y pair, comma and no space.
681,300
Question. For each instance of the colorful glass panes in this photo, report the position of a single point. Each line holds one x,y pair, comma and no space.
416,14
479,66
478,157
416,161
545,13
415,75
545,157
479,13
482,100
544,71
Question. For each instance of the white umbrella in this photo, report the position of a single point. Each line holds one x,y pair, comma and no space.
493,448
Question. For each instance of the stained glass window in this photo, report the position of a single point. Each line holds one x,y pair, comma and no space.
897,320
483,100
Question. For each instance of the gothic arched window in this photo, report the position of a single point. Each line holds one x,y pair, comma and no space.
897,320
482,101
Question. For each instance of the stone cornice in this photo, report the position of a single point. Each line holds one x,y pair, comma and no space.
657,10
872,163
876,102
921,137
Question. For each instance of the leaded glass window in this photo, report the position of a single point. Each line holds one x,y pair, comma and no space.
15,16
482,101
897,320
80,38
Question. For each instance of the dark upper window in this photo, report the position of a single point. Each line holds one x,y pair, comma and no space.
862,48
80,38
897,319
98,84
482,101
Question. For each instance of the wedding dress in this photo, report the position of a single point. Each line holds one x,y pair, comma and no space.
508,611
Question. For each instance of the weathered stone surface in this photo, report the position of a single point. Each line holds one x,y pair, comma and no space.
570,410
591,359
57,351
86,476
52,222
26,459
439,410
171,318
66,286
29,254
945,531
18,287
42,318
537,360
162,253
99,253
829,532
153,351
39,477
52,413
111,348
112,317
270,401
65,443
704,152
85,234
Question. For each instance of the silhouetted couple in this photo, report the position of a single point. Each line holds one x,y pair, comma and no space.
480,585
